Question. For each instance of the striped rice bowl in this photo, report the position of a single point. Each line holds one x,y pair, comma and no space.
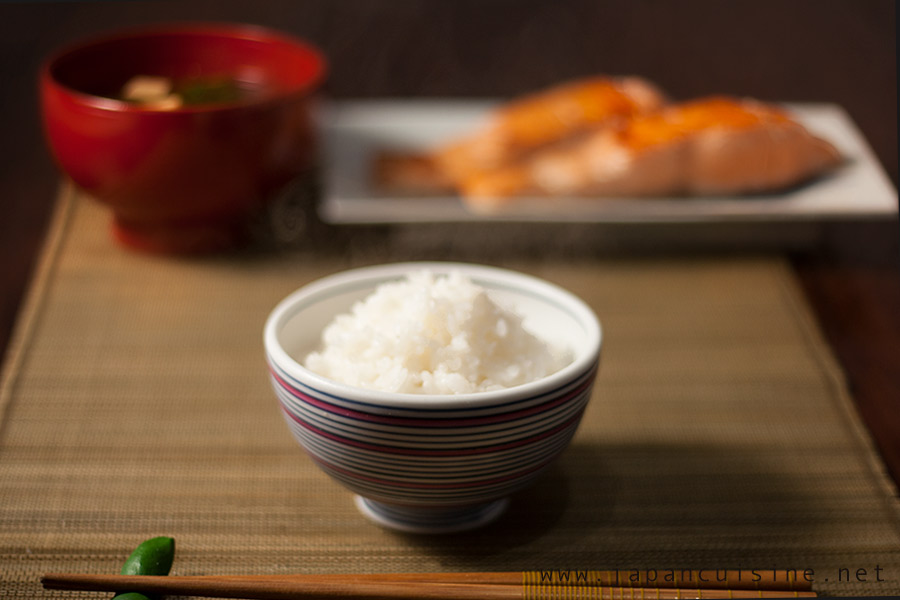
432,463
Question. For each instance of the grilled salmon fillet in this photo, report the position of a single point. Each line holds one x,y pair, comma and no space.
711,146
535,121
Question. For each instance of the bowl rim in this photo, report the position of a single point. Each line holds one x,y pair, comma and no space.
371,276
234,30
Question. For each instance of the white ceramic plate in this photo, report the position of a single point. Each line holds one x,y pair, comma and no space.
354,130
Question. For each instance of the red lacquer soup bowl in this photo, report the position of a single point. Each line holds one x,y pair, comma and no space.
188,177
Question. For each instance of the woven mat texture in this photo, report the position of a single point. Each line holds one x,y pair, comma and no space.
135,403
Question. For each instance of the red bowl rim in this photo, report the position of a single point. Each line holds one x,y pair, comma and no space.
235,30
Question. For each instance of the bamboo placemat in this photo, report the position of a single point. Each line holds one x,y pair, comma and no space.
135,403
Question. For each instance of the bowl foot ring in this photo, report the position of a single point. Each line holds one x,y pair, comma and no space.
428,520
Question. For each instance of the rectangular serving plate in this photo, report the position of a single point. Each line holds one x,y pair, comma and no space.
354,131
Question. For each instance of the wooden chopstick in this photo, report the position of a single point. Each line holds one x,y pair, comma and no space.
409,586
676,578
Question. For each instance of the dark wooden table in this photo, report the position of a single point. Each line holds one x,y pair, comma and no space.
842,51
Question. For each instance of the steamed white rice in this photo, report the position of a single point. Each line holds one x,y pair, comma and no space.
432,335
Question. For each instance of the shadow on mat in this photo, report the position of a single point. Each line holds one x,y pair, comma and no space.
599,505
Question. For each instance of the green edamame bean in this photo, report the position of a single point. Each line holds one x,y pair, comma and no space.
151,557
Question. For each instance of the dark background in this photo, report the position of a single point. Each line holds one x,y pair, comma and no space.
841,51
